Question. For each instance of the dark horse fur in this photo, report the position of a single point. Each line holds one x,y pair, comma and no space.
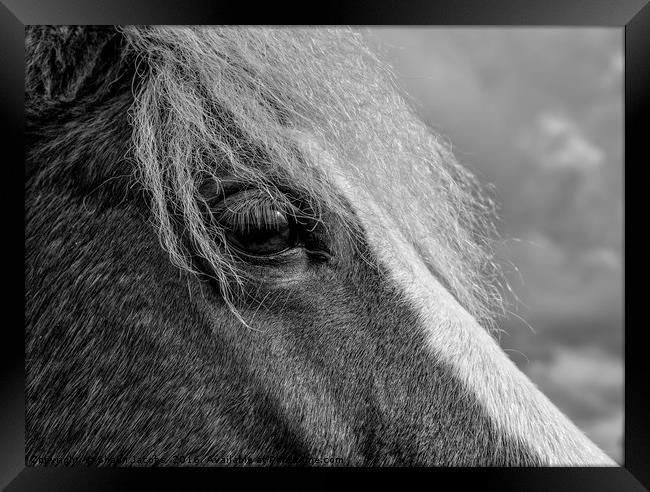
131,359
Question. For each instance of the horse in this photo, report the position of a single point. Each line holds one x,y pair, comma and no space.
242,246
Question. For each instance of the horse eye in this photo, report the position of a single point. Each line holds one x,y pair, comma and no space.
276,233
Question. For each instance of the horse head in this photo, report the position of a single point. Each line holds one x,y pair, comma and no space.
243,242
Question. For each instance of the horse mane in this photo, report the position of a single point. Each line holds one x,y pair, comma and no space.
210,101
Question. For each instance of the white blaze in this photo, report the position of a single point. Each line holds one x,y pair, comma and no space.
512,401
514,404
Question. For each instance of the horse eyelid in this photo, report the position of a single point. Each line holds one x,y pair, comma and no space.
258,211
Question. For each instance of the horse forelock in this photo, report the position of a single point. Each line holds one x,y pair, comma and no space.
243,102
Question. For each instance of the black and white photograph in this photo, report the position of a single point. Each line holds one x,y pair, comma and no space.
396,238
323,246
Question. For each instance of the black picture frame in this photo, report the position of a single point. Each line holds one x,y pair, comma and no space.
631,15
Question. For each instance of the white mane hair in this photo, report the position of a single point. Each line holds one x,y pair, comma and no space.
212,101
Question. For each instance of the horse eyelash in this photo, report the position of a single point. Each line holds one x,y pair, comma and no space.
256,211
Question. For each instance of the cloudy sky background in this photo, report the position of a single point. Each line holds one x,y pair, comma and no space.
537,113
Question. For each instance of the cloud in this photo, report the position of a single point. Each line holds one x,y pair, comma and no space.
556,142
589,369
587,384
556,282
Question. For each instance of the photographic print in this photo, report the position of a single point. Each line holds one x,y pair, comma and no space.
309,246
